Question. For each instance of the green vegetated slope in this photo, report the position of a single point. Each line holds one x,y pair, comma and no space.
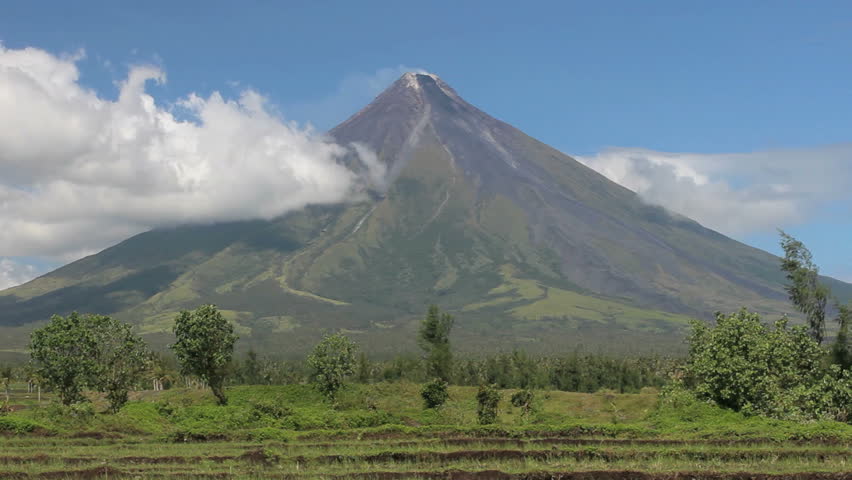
292,432
527,246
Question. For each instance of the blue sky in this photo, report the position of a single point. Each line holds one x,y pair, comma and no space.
709,94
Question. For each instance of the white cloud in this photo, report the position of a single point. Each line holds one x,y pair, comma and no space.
79,172
736,193
14,273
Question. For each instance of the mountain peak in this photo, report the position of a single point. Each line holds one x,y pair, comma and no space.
416,79
421,82
411,77
404,105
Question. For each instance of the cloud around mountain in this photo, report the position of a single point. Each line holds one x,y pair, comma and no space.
79,172
735,193
14,273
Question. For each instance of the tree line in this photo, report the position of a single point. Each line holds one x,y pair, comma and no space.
81,352
573,372
739,363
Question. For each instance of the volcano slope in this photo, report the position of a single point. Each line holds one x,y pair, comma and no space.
528,247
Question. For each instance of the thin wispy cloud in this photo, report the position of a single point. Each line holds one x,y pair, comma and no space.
352,93
735,193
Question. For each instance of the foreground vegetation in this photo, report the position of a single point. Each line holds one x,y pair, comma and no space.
383,431
750,400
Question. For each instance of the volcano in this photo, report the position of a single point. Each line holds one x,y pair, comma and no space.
526,246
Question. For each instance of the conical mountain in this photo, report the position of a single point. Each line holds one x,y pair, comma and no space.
527,246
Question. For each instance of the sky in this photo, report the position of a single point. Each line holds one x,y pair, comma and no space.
118,117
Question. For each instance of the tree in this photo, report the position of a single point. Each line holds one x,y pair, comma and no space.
250,373
122,358
364,369
841,350
487,401
523,399
6,376
204,347
745,365
434,393
434,339
807,294
64,355
332,360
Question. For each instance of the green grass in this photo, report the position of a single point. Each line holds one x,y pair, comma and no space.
292,432
397,406
536,301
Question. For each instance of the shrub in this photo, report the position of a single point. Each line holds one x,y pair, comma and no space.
77,411
434,393
749,367
83,411
523,399
17,425
271,409
488,399
165,408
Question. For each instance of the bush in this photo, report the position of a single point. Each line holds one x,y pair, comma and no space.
434,393
488,399
524,400
749,367
76,412
165,408
271,409
17,425
83,411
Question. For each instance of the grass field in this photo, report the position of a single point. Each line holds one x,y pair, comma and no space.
380,431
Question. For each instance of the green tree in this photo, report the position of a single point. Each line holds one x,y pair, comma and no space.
204,347
807,294
332,361
487,401
64,355
7,374
434,339
745,365
365,369
434,393
841,350
523,399
251,371
121,359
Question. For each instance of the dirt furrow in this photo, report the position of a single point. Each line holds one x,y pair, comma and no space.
110,472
